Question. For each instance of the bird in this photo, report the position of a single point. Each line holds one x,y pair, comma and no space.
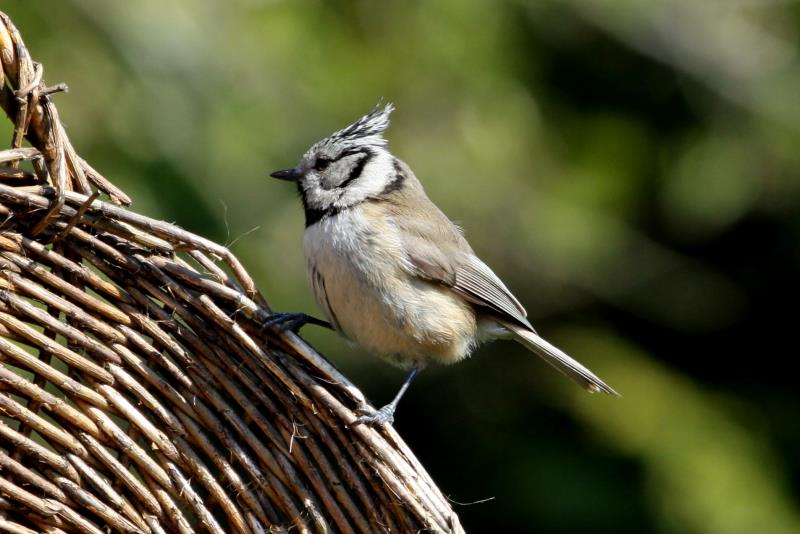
391,272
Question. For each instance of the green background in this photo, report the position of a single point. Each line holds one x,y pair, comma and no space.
630,168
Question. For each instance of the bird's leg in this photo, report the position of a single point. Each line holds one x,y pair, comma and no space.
385,414
293,321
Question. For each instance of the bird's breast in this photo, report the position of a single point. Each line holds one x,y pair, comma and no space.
355,269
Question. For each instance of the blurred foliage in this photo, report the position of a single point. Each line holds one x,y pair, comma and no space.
630,168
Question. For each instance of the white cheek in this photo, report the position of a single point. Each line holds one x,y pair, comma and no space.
376,174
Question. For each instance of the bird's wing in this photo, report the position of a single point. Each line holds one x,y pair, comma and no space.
436,251
478,283
470,278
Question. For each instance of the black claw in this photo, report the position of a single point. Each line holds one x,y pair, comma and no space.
293,321
375,417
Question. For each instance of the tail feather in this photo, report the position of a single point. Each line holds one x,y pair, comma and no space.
560,360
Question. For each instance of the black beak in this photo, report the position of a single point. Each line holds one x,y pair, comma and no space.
291,175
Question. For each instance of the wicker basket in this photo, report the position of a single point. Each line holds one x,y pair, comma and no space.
138,391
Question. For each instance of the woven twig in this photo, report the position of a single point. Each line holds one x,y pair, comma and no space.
138,390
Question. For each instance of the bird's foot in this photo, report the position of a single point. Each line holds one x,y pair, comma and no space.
373,417
293,321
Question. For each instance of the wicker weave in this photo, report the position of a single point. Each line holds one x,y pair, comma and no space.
138,391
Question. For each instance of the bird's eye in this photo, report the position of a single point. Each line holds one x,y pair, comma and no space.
321,164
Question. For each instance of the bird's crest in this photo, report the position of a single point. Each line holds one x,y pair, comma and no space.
368,130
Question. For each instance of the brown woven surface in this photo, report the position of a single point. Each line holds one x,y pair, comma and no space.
138,392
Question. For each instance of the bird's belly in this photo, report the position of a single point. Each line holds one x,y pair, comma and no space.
405,320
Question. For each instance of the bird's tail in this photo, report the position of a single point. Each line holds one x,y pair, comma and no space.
560,360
